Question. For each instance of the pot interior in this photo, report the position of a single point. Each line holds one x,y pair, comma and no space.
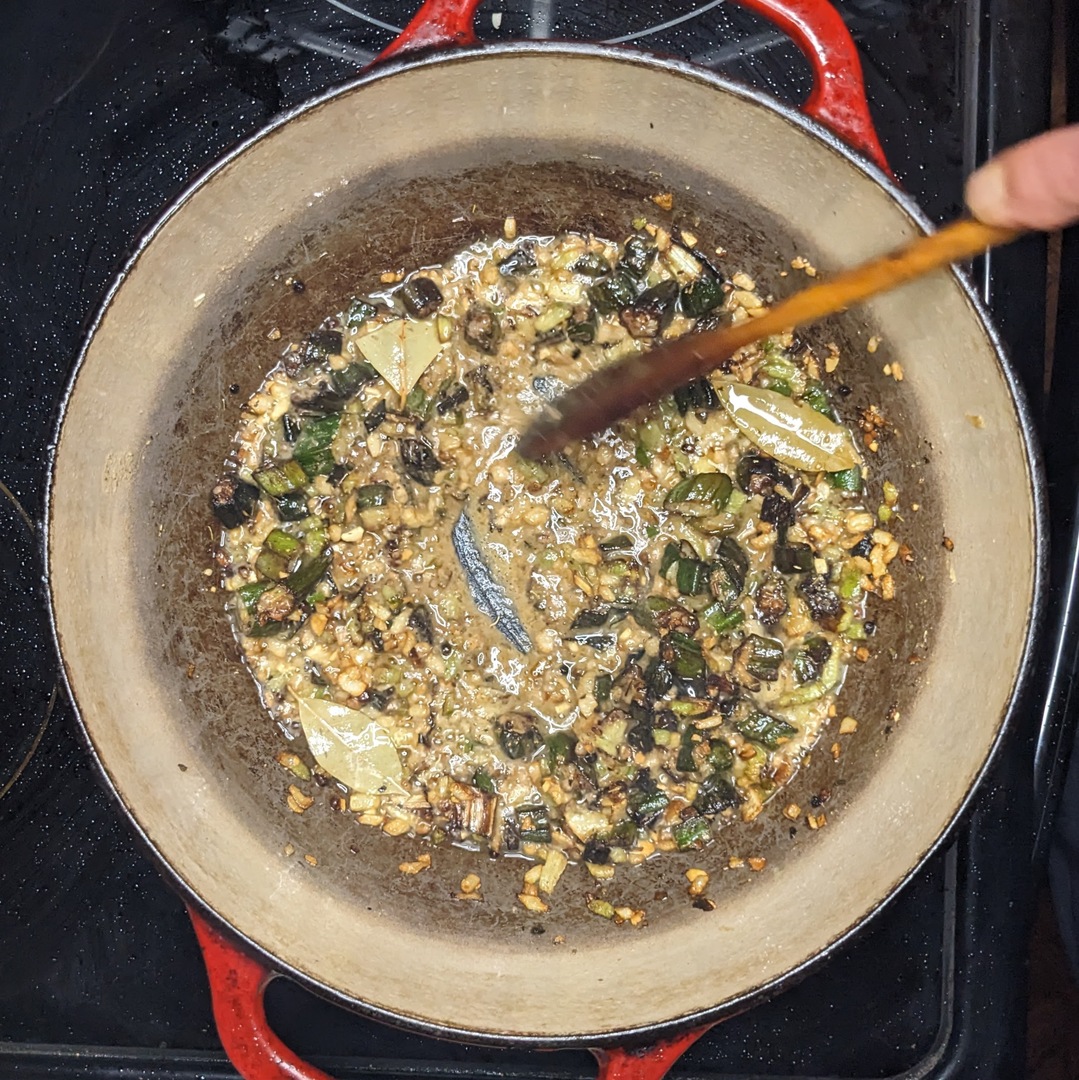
399,171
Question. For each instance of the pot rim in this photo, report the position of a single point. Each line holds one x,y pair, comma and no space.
648,1033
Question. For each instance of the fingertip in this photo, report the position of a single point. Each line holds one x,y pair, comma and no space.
986,195
1032,185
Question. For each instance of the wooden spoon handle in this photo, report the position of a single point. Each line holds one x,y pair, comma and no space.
954,243
615,391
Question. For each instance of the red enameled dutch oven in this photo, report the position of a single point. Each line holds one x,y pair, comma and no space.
414,159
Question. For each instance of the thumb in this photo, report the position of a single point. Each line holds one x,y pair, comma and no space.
1033,185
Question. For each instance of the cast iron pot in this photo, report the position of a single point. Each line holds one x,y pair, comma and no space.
399,169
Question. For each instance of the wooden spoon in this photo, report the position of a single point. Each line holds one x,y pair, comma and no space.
616,390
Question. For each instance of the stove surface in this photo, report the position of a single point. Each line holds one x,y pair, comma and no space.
110,109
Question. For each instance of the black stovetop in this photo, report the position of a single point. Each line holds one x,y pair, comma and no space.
107,110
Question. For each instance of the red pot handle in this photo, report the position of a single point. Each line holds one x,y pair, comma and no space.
437,23
838,99
238,983
237,986
650,1062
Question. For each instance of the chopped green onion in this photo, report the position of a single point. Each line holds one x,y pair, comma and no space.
582,330
555,315
451,394
312,449
292,507
590,618
283,543
518,741
697,395
691,577
695,832
533,471
685,762
281,479
613,294
604,686
692,708
290,427
721,620
816,397
271,565
701,296
671,554
560,748
825,681
731,555
533,824
713,489
685,266
777,365
768,731
637,257
302,580
727,576
359,311
613,733
349,380
644,804
721,756
417,403
715,794
849,585
370,496
847,479
793,558
684,655
522,260
651,435
315,537
621,542
250,593
483,781
762,657
591,265
810,659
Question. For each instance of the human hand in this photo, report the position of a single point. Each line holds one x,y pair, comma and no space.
1032,185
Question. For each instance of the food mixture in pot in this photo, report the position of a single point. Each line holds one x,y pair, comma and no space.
593,657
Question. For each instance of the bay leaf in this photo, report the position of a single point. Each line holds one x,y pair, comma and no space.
352,746
401,351
794,434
